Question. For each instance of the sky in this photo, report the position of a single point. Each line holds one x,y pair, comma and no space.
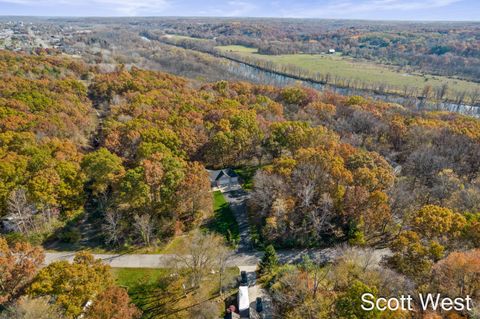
455,10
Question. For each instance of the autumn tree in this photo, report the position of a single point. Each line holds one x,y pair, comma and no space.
112,226
194,196
144,228
102,169
72,285
414,257
349,304
113,303
458,274
293,298
19,264
435,222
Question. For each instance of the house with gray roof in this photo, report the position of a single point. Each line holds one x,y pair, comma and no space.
223,179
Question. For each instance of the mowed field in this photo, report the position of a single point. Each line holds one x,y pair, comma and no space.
346,67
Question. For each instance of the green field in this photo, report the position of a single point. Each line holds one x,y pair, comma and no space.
237,49
182,37
349,68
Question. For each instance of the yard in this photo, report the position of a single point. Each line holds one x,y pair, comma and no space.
223,221
132,277
152,290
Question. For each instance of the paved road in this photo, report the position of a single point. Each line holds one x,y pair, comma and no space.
238,259
149,261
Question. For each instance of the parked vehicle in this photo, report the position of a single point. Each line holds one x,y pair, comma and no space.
259,304
243,278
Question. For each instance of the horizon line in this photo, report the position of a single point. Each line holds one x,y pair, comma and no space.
233,17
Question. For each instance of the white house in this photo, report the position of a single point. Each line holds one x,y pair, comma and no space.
331,51
223,179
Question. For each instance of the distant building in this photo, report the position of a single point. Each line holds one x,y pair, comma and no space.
223,178
331,51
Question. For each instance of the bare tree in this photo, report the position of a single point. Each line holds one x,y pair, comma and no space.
267,188
475,97
317,273
111,227
200,256
322,213
223,253
460,97
143,226
441,92
20,212
33,308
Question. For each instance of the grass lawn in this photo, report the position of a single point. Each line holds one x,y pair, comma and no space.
150,290
351,68
223,221
132,277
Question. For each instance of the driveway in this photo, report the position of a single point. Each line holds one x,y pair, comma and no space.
237,201
255,291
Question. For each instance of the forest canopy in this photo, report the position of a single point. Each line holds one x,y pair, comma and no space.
131,147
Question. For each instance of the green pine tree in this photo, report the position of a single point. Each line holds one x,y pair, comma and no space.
269,260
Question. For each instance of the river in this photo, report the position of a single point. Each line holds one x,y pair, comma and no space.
262,76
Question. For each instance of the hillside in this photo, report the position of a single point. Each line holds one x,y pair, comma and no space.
124,153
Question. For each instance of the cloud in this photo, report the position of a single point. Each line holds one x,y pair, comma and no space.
117,7
240,8
232,8
377,9
344,8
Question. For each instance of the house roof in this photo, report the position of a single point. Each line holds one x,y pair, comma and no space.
215,175
243,300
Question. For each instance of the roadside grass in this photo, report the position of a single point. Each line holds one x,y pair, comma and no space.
356,69
223,221
132,277
170,247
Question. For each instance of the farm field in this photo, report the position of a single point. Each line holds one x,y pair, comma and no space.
345,67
